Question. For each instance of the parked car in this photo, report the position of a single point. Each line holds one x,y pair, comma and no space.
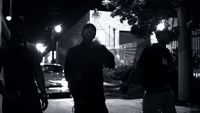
55,81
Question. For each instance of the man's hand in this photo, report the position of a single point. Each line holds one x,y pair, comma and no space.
44,102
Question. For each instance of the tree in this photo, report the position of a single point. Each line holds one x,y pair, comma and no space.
143,15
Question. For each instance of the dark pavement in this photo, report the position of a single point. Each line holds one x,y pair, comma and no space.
116,102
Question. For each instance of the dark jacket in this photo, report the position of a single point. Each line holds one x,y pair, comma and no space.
84,70
155,63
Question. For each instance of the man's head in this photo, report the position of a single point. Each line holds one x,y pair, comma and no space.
88,33
18,28
18,25
163,37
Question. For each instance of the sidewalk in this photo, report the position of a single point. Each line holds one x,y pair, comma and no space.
135,106
116,103
114,106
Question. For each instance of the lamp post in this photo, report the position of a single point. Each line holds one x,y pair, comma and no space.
56,29
1,4
9,17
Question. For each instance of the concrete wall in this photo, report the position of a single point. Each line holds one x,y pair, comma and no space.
108,28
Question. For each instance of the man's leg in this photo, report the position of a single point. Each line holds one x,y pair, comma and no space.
169,105
151,103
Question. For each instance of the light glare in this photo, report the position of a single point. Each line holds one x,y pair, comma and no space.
40,47
58,28
8,18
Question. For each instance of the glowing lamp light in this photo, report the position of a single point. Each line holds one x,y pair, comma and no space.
40,47
8,18
58,28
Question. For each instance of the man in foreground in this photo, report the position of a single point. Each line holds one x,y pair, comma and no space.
84,72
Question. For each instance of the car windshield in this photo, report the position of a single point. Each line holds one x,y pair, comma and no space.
52,68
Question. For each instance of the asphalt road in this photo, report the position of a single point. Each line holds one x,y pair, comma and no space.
114,106
64,105
116,102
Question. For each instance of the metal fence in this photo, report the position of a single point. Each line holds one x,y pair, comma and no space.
195,83
195,46
195,42
196,52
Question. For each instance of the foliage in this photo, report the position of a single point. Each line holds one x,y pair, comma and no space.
142,15
168,35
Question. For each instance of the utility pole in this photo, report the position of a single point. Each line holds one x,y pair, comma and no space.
184,48
109,37
114,29
57,49
53,48
55,29
1,21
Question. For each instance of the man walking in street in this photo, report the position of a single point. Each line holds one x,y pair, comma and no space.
84,72
23,76
153,72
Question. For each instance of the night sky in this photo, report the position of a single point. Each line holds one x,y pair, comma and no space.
42,14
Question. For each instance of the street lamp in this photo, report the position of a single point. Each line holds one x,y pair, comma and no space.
56,29
40,47
8,18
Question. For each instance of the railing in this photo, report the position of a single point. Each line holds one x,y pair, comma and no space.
195,82
195,46
196,52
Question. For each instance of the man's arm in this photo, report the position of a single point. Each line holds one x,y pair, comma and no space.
1,88
136,75
1,84
1,63
109,60
39,77
69,72
41,85
68,64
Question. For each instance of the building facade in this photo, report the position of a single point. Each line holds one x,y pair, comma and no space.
112,33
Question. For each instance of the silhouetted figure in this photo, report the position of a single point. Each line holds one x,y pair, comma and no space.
22,73
155,64
84,72
153,72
